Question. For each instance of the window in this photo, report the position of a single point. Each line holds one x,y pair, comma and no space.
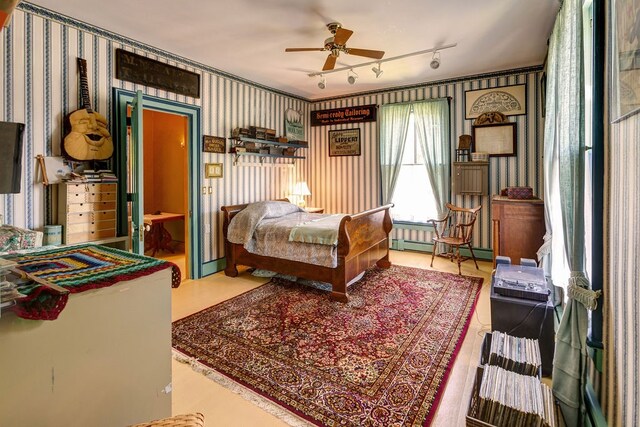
414,158
413,197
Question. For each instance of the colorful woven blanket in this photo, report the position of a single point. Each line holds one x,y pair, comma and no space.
78,269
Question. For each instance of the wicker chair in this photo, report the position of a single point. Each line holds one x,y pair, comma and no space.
186,420
455,230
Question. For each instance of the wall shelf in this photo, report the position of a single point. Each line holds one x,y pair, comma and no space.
262,156
241,142
292,144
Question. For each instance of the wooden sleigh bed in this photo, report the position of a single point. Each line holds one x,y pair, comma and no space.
363,240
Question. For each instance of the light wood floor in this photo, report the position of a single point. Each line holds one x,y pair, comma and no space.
193,392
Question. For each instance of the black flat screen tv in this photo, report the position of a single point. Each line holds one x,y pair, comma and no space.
11,135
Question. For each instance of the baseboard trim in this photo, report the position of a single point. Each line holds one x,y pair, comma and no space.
212,267
401,245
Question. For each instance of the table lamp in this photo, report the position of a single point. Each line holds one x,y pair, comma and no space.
301,189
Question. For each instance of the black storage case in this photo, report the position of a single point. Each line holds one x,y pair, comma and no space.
526,318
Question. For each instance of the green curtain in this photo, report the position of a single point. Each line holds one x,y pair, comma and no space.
564,154
432,130
394,123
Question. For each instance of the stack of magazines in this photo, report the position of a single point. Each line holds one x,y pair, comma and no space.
509,399
107,176
9,293
519,355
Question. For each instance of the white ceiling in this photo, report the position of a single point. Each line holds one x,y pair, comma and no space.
247,38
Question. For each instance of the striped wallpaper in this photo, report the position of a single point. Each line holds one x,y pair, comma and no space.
351,184
621,398
39,86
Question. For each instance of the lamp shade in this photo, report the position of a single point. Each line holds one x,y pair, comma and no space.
301,189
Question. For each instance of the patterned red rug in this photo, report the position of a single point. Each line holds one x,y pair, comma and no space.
382,359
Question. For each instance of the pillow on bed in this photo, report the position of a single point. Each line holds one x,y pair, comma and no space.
244,223
278,209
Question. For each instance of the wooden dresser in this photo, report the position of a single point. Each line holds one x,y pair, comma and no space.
518,227
87,212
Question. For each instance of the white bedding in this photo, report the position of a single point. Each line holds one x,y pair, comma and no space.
265,231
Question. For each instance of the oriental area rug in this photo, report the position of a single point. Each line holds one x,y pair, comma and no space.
381,359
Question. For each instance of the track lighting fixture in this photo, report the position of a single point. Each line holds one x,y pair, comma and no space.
323,82
351,78
377,70
435,60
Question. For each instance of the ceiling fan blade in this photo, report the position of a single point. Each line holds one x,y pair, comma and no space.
341,36
329,63
304,49
377,54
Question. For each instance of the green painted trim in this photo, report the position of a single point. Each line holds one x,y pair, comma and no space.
593,407
212,267
119,123
401,245
412,226
597,355
193,114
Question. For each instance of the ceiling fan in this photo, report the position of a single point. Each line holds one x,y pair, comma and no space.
336,44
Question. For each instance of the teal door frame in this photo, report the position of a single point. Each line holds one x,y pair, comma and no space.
136,162
122,98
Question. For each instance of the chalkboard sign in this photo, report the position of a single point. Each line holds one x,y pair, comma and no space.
149,72
213,144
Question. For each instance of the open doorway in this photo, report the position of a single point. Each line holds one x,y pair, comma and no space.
166,187
158,155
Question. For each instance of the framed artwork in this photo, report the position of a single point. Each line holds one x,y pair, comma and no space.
345,142
213,170
498,140
213,144
625,59
293,126
508,100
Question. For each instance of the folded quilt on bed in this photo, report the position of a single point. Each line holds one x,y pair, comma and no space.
323,231
243,225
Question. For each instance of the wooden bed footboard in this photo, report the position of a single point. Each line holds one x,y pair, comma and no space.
363,240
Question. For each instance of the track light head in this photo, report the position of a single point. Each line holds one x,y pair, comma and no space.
435,60
351,78
322,83
377,70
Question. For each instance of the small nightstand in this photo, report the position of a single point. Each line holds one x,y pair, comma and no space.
314,210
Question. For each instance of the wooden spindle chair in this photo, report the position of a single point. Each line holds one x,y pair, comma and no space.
455,230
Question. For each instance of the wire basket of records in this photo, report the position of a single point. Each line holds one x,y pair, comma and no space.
515,354
501,398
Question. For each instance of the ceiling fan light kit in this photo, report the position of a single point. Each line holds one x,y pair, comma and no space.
337,44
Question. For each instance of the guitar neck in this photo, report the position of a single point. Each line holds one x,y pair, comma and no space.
84,85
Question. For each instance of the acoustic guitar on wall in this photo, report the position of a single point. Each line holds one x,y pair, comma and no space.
89,138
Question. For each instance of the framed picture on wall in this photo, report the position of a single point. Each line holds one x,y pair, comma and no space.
344,142
499,140
213,170
508,100
625,59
